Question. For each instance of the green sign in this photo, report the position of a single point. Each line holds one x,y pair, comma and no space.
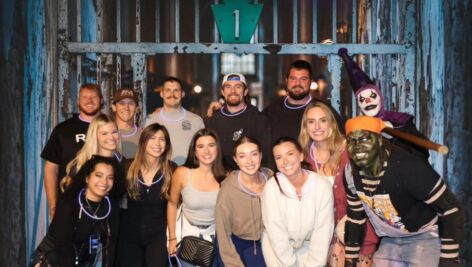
236,20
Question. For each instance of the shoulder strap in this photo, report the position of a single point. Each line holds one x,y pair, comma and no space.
350,178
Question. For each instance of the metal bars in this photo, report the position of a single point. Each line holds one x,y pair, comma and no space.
138,50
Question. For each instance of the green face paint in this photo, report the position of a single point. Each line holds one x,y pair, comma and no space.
364,148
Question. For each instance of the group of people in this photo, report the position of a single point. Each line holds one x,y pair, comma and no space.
282,187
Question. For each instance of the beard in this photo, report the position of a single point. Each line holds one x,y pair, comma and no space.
233,101
298,96
90,113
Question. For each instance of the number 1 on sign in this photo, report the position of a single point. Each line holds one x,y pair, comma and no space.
236,23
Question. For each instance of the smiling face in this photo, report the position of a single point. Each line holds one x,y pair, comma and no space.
206,150
99,182
234,93
125,109
369,102
318,124
287,158
248,157
298,83
108,139
156,145
363,147
89,102
172,94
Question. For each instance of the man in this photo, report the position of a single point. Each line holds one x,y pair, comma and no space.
125,105
408,204
371,103
238,118
67,139
181,123
285,114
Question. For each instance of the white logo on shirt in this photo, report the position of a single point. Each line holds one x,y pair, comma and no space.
80,137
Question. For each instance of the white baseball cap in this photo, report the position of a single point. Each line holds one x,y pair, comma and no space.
234,77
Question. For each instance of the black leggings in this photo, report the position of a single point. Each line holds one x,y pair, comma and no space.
141,254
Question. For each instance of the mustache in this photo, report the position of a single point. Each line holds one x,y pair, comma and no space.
171,97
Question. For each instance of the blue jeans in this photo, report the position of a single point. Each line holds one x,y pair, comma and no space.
419,250
245,249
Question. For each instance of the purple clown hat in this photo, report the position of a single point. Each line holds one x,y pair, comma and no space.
360,81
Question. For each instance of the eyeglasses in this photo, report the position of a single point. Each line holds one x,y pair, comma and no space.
301,79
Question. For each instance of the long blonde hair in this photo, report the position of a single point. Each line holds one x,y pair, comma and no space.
336,141
90,148
139,161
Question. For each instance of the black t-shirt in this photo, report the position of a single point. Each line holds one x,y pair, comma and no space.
146,218
250,123
65,141
285,119
71,229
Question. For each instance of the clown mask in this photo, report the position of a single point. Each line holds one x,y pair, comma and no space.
369,102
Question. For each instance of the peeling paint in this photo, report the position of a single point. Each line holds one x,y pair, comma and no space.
273,48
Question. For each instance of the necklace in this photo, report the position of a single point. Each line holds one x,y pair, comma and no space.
118,156
297,107
167,119
131,134
84,120
90,206
233,114
247,191
153,183
313,157
93,216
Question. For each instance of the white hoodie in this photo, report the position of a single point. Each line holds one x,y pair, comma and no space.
297,232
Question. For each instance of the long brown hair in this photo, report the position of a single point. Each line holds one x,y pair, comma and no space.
192,162
286,139
336,141
139,161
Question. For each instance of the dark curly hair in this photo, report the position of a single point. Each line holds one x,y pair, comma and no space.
79,180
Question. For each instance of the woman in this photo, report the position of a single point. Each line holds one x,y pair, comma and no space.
196,185
84,229
143,224
297,211
238,209
325,151
103,139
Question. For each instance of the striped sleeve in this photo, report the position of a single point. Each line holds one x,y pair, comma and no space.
355,223
450,219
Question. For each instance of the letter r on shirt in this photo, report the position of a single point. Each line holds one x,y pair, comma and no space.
80,137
